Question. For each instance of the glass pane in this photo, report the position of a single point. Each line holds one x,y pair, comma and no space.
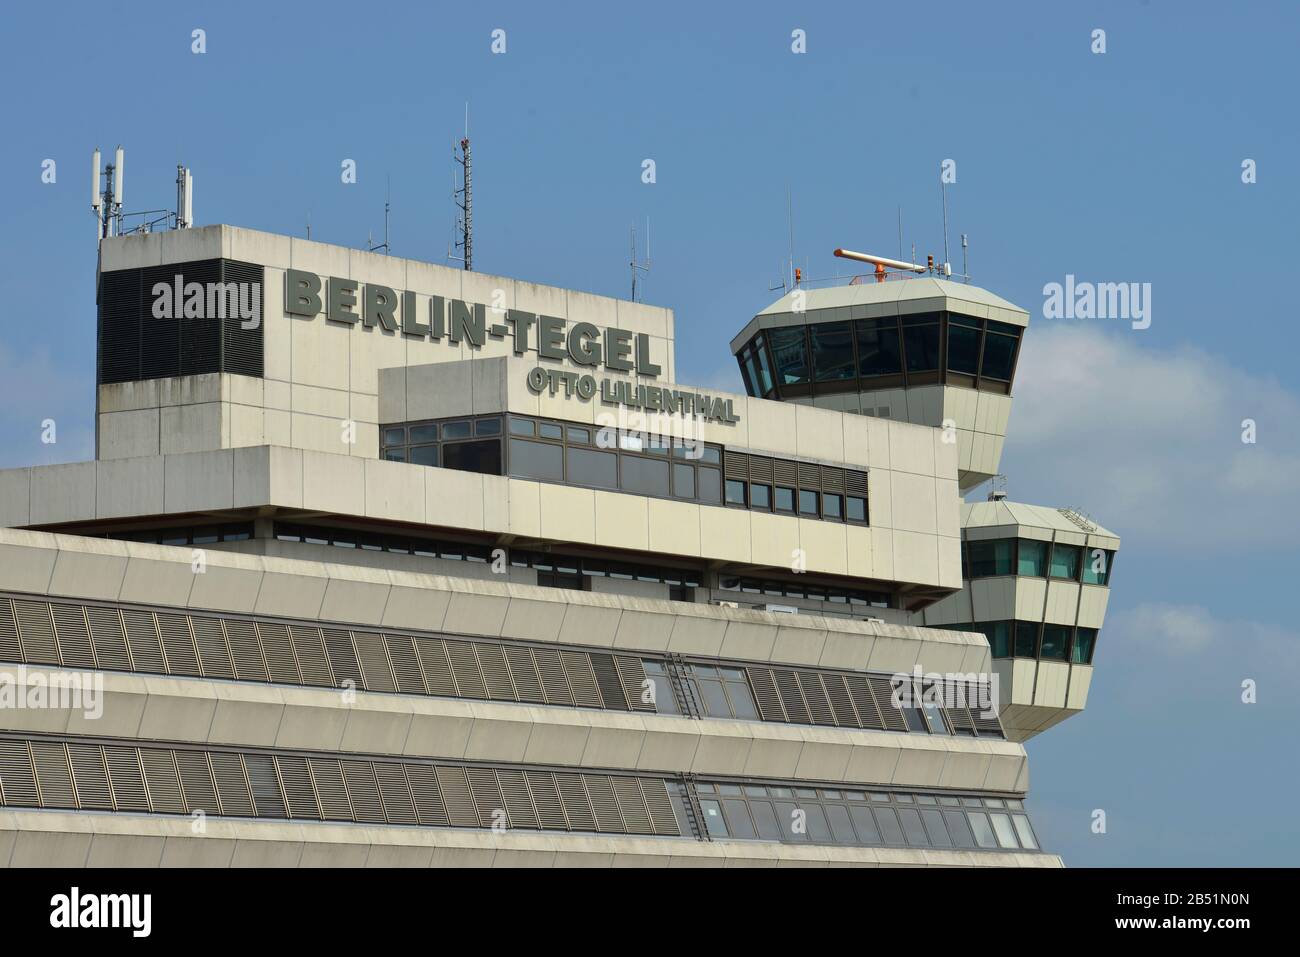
999,355
421,434
710,483
424,455
841,829
760,497
878,352
394,436
921,346
456,430
1096,566
713,820
536,460
785,816
916,835
715,699
593,468
963,347
579,435
855,509
999,636
934,828
988,558
1055,639
684,481
395,455
1084,640
865,824
710,454
1026,639
832,351
738,822
1002,828
648,476
958,829
550,430
980,825
890,831
807,502
742,702
764,371
1024,831
1033,559
487,427
831,506
819,831
784,499
765,820
790,354
1065,561
483,455
522,427
735,492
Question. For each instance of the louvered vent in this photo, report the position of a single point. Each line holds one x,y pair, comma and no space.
662,817
142,641
785,473
74,636
883,693
37,630
300,794
855,483
406,666
496,676
603,803
523,671
577,805
178,644
586,694
277,648
428,798
17,782
457,798
330,789
395,794
128,780
246,650
10,649
832,479
787,683
631,673
108,638
519,801
608,681
554,681
214,653
760,469
376,671
464,666
819,706
309,649
163,781
546,798
90,777
632,805
864,702
364,791
837,693
342,657
268,798
436,667
232,785
196,782
763,685
736,465
53,776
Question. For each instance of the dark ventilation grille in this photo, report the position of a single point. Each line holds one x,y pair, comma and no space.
884,695
129,789
109,638
37,631
10,649
136,345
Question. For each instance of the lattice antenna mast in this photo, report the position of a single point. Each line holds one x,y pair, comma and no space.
463,197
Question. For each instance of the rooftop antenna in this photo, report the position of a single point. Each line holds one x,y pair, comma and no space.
880,262
946,269
965,270
309,224
464,199
184,197
900,233
107,204
789,202
639,265
387,207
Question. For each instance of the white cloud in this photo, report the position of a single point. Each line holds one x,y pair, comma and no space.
1149,441
1182,635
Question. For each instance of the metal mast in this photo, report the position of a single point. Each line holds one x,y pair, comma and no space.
466,201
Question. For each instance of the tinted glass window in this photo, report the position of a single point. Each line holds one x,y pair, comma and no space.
760,496
963,345
456,430
649,476
1033,559
933,821
764,372
841,830
1065,561
423,433
738,821
921,346
1002,828
395,455
479,456
819,831
713,819
999,635
424,455
855,509
1096,566
790,353
785,499
665,702
1026,639
865,824
831,505
522,427
878,352
536,460
980,825
684,481
958,828
999,354
1084,640
765,820
1024,831
710,484
550,430
589,467
394,436
832,351
735,492
487,427
1055,638
890,831
807,502
990,557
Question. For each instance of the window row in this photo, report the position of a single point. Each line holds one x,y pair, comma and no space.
641,463
108,775
150,641
826,698
805,815
383,542
889,352
1031,639
183,535
105,775
1036,559
825,492
794,589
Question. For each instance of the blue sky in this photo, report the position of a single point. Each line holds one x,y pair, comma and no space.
1122,166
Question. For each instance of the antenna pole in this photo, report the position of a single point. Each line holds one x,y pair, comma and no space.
789,202
900,232
943,191
466,192
965,270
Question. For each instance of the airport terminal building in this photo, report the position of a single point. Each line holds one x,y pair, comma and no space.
388,563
